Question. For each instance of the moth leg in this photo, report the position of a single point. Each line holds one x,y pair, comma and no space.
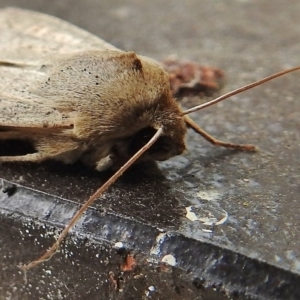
243,147
104,163
28,157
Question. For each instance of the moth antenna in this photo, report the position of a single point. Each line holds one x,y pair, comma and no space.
239,90
90,201
241,147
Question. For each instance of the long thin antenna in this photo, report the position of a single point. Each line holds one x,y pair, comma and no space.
240,147
91,200
239,90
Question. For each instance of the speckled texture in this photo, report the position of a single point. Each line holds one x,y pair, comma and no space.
260,192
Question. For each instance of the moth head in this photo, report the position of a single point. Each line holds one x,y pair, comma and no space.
166,148
170,143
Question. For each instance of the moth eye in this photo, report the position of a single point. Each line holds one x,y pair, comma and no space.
161,145
141,138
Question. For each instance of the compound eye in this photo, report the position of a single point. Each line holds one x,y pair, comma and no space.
163,144
140,139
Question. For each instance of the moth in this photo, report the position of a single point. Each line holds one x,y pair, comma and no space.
71,96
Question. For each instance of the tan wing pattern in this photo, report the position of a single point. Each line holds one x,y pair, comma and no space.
34,36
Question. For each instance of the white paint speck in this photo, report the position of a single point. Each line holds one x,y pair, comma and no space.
169,259
190,214
224,219
151,288
119,245
155,250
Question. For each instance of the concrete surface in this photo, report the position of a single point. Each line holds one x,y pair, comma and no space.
256,253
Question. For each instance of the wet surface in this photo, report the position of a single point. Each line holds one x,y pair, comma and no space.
259,191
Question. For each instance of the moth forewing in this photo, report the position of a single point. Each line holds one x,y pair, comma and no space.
37,36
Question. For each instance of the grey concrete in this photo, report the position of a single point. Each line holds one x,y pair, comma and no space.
257,251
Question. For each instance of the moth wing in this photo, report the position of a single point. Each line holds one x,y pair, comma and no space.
29,42
19,109
29,37
19,115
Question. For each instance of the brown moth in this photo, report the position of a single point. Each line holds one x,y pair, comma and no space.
72,96
97,104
